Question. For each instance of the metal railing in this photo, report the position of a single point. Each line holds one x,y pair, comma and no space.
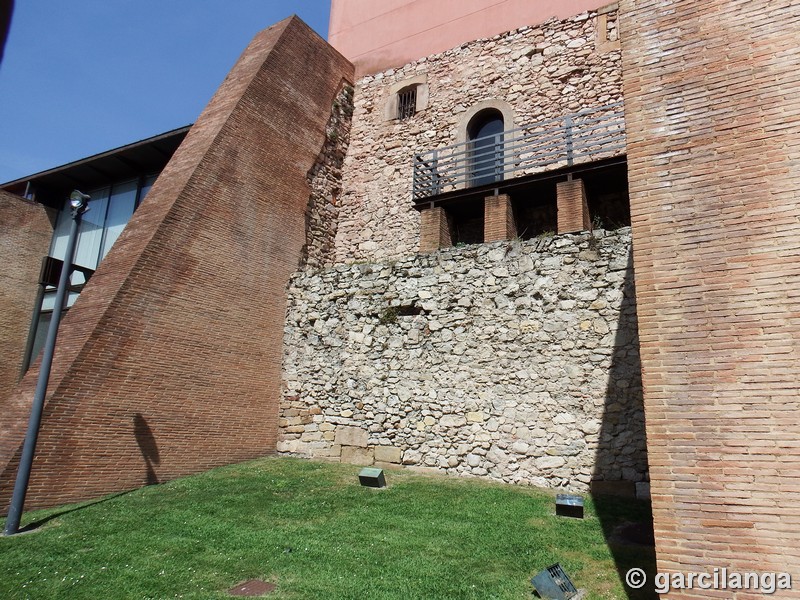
579,137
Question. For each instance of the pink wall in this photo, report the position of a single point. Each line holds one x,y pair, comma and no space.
378,35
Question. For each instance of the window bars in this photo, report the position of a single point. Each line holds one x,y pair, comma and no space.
407,103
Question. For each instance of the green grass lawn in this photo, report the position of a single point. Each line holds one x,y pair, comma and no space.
312,530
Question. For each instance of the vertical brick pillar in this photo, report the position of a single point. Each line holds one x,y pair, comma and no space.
712,110
434,232
573,211
498,219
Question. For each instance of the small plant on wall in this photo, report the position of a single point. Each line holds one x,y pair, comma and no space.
389,315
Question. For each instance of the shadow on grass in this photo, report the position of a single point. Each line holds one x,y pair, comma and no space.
628,529
39,523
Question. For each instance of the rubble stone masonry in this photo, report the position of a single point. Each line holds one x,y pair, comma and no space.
513,360
712,100
325,183
534,73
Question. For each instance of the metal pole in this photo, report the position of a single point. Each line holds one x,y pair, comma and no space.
29,446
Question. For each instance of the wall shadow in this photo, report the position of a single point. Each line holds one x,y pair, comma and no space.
147,446
621,460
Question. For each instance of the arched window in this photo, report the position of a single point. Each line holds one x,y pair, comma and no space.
485,136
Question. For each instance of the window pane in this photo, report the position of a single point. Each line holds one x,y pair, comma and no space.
148,183
49,299
61,233
120,209
90,233
41,334
90,237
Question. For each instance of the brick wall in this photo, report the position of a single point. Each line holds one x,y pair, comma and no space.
434,232
712,97
498,218
170,361
573,211
25,232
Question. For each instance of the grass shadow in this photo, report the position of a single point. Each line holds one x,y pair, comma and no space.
39,523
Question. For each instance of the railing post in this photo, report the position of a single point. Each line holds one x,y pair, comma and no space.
435,179
414,177
568,139
498,157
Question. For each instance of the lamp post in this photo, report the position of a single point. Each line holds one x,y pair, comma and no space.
79,203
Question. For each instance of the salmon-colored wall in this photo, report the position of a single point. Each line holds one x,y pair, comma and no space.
375,36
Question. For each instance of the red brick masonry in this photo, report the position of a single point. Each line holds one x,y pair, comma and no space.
170,361
712,105
25,232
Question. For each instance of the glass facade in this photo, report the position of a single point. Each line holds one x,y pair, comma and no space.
110,209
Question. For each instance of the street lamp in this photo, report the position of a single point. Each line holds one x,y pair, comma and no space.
79,203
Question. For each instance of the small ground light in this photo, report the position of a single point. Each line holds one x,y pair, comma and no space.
372,478
553,584
569,505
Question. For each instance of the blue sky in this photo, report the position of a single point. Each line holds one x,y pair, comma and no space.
85,76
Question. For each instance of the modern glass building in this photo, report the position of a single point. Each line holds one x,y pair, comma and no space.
117,181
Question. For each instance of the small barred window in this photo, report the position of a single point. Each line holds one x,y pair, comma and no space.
407,103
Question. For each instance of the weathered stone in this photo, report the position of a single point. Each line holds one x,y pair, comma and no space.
476,417
411,457
550,462
643,490
388,454
492,390
520,447
452,421
357,456
564,418
351,436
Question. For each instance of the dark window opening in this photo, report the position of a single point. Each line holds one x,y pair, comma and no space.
535,209
535,203
465,221
485,133
407,103
607,197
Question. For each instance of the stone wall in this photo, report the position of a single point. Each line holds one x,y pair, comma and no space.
325,182
537,73
513,360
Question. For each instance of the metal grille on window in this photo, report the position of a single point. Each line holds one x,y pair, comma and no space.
407,103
